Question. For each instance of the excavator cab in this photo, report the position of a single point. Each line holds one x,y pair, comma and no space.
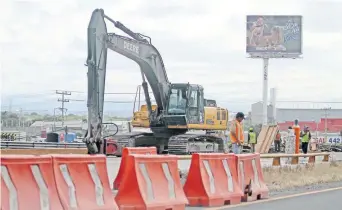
210,103
185,105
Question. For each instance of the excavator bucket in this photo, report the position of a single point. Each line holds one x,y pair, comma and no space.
96,62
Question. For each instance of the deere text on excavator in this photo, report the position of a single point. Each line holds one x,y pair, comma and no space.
182,122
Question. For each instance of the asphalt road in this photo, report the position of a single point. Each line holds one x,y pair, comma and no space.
317,201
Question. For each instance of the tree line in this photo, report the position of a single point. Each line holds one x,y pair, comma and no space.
27,119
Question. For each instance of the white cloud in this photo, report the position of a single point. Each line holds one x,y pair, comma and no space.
43,47
323,41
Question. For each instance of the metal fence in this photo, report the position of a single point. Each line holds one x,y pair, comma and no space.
30,145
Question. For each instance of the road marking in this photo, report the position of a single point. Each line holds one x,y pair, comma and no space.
274,199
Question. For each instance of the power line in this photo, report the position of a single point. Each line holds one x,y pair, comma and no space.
125,93
216,93
26,95
317,102
70,91
110,93
63,100
116,102
326,121
223,101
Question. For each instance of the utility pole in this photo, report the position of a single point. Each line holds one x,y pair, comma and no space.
63,100
10,105
54,118
326,122
20,116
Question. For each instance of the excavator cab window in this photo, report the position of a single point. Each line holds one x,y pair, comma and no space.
196,105
178,101
210,103
193,99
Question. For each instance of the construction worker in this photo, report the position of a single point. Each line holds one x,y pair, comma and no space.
306,137
252,139
236,133
277,142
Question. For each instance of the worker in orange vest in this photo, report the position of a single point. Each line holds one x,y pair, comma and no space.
236,133
277,141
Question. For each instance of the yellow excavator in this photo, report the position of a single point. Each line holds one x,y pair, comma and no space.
181,122
141,118
215,118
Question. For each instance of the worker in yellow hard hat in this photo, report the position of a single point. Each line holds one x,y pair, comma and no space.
252,139
306,137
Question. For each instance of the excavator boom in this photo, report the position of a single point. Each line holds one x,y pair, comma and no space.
96,62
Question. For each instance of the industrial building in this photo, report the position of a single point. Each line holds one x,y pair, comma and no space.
285,114
76,125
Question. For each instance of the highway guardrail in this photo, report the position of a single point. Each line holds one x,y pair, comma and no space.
57,148
30,145
276,157
295,157
43,151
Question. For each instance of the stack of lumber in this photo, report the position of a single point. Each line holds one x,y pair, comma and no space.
266,138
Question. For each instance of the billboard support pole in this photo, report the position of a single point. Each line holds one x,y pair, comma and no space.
273,36
265,90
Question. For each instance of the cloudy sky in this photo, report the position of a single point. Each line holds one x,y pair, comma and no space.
43,49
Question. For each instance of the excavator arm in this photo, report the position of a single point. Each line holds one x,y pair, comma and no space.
137,48
149,60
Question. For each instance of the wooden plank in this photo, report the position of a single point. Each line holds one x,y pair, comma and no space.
266,140
261,138
271,137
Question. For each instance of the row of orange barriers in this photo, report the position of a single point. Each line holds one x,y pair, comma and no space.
55,182
150,181
145,181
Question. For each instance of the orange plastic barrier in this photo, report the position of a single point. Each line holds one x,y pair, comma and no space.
251,178
27,182
125,152
152,182
213,180
82,182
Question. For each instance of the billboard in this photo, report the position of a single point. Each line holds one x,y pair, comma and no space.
270,34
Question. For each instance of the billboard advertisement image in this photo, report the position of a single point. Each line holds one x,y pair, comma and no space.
274,34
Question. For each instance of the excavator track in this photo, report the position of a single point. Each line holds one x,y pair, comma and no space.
183,144
126,140
194,143
134,139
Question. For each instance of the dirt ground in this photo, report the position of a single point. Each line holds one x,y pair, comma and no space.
287,177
